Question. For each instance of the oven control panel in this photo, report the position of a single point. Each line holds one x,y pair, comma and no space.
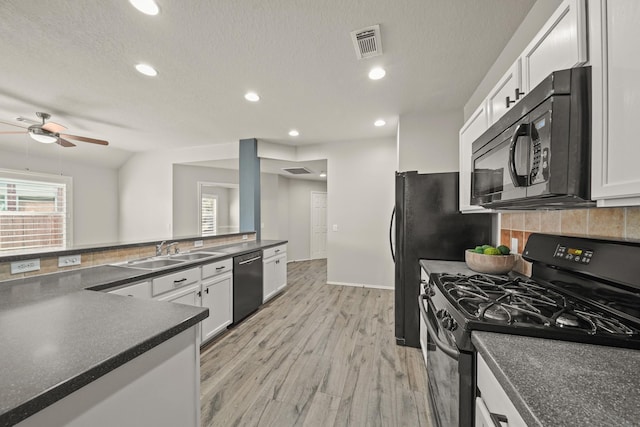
582,256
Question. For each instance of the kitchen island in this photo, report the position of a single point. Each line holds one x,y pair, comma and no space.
70,352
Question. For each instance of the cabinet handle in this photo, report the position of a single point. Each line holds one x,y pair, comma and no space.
518,93
508,102
207,290
277,250
277,261
179,281
498,418
220,268
199,293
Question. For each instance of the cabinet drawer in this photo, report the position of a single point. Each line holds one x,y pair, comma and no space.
175,280
494,396
139,290
276,250
216,268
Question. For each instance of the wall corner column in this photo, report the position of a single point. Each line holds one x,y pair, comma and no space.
249,178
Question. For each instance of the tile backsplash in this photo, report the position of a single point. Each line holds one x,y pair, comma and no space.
615,223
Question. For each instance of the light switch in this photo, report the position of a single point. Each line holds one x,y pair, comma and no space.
335,227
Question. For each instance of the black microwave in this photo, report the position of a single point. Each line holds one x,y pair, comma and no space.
538,155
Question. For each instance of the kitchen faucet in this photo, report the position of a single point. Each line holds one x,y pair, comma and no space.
159,248
176,248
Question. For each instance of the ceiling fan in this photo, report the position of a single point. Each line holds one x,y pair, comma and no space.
49,132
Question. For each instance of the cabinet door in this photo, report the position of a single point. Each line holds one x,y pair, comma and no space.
269,278
281,272
472,129
616,102
217,296
505,94
560,44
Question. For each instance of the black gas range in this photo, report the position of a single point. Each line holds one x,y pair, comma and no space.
582,290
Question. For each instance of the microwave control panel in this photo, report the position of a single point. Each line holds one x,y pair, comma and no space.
583,256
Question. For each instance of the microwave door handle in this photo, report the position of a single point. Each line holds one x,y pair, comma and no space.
518,180
447,349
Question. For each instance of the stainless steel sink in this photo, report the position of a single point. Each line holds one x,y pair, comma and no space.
192,256
153,264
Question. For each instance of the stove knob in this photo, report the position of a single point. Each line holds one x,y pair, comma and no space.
454,325
441,313
431,292
446,323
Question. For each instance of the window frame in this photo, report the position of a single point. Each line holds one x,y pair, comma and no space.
201,193
67,181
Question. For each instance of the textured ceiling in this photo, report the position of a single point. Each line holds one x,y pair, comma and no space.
75,60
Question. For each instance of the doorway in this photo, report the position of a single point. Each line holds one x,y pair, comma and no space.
318,240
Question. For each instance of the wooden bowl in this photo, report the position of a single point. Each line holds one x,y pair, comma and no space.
490,264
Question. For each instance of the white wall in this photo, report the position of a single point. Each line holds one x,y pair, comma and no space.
360,197
428,141
95,194
185,197
283,207
532,23
146,189
269,206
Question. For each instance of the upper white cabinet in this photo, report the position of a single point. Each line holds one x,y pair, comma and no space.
615,31
560,44
505,94
472,129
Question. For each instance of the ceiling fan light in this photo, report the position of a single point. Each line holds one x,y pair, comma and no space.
148,7
45,139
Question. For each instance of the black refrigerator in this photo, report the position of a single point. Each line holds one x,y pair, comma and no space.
428,225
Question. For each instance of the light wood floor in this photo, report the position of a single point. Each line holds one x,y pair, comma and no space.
318,355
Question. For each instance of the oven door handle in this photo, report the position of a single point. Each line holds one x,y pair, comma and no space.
450,351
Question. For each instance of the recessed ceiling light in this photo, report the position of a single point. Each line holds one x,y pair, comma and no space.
380,122
148,7
323,174
377,73
293,132
147,70
251,96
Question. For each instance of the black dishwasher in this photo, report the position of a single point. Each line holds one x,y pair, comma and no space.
247,284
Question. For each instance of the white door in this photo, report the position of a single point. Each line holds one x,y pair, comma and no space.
318,225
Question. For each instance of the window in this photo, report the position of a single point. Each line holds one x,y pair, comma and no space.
208,214
34,211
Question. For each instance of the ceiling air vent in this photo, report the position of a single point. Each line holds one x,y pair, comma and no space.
297,171
367,42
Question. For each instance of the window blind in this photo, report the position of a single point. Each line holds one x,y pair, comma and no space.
33,213
208,214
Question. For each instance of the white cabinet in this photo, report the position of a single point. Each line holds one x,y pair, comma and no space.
505,93
274,264
217,296
189,295
472,129
493,402
560,44
179,279
138,290
615,32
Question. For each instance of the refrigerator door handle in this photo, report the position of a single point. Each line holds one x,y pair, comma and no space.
393,252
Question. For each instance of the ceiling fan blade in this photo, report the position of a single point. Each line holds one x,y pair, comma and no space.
53,127
85,139
65,143
13,124
7,133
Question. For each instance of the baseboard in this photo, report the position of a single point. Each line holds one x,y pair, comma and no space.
360,285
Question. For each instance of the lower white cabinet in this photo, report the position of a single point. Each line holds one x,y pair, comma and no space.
274,264
138,290
493,405
189,295
217,296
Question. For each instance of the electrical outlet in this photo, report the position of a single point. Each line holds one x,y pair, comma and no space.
335,227
69,260
245,237
198,244
514,245
25,266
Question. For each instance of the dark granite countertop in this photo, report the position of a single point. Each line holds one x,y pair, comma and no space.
559,383
57,335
